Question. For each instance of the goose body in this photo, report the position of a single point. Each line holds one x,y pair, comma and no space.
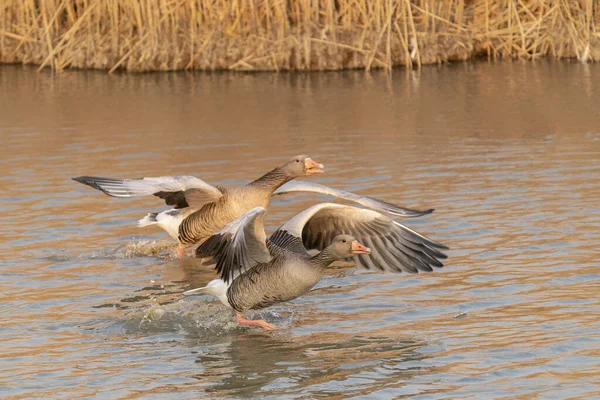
256,272
261,286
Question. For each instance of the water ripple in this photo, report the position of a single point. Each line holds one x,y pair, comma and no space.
92,305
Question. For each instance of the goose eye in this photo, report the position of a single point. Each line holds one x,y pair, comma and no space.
297,160
343,240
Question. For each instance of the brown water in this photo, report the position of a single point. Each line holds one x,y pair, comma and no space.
508,154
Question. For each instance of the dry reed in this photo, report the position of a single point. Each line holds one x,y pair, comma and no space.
150,35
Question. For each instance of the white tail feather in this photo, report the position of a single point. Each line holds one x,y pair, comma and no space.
168,220
149,219
216,287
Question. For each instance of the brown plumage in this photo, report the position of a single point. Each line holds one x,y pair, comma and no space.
201,209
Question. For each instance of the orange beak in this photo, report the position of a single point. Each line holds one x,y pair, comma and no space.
312,167
358,248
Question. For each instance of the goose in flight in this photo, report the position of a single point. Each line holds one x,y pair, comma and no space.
256,272
200,209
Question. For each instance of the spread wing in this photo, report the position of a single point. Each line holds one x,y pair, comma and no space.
177,191
238,246
369,202
282,240
395,247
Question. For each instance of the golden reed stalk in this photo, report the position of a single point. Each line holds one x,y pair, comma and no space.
164,35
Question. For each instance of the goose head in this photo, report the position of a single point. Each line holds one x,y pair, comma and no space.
344,246
301,166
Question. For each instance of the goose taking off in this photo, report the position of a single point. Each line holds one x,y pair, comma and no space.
200,209
257,273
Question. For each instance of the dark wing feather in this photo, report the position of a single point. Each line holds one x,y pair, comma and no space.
281,240
175,199
238,246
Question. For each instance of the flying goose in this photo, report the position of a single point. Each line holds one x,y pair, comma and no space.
256,273
200,209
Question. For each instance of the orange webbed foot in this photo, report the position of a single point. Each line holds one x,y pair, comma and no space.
256,322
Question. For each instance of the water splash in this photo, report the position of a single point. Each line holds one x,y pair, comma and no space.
195,318
162,249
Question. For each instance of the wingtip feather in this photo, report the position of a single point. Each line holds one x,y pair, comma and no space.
407,212
87,180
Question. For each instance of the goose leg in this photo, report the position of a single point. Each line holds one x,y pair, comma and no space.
256,322
180,250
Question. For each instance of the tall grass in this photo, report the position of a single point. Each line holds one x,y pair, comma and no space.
147,35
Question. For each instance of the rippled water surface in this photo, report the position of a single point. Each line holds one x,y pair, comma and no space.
508,154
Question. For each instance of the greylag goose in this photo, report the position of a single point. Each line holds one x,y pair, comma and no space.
257,273
200,209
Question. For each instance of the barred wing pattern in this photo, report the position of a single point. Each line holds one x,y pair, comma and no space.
395,247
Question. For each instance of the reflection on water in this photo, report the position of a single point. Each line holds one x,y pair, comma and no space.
327,363
506,153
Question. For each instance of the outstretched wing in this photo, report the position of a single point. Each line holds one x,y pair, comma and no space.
177,191
238,246
369,202
394,247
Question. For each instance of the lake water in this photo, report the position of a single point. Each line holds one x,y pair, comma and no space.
508,154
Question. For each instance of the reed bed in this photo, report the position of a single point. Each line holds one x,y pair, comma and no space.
254,35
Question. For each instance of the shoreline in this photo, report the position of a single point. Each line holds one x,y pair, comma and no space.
293,35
